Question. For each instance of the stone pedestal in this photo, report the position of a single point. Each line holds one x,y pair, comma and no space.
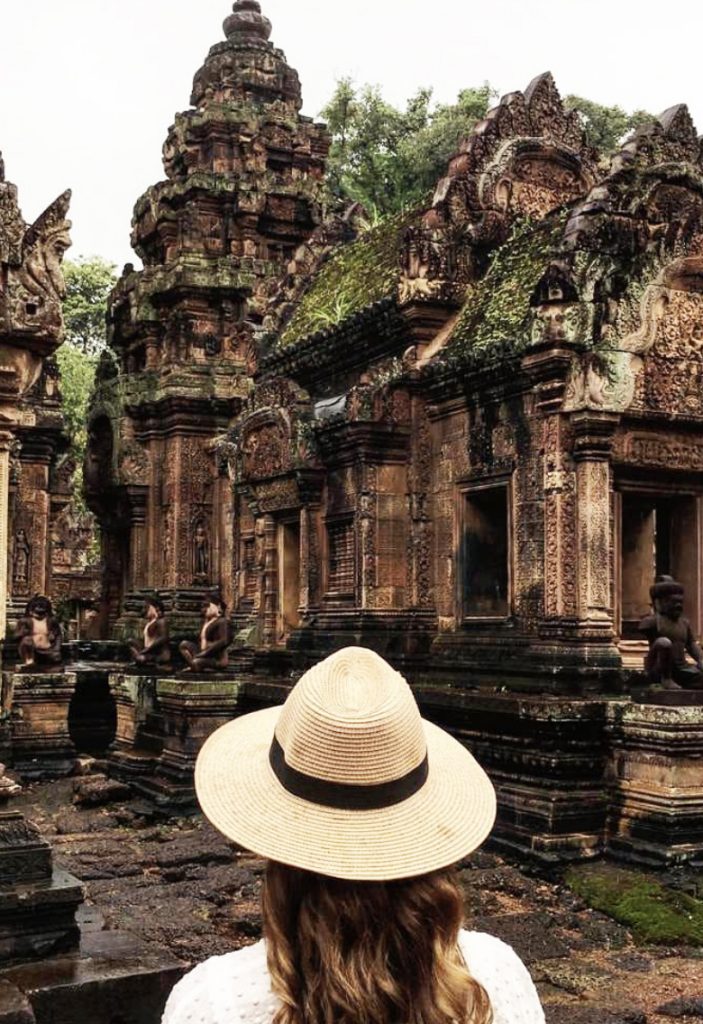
38,903
656,783
39,703
134,752
55,970
546,757
190,710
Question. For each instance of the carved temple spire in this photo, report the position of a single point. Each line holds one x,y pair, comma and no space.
247,23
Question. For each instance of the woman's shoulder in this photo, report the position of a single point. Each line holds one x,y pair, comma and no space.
505,978
224,988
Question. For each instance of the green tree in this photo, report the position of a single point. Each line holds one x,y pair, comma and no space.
88,284
388,158
77,376
606,127
89,281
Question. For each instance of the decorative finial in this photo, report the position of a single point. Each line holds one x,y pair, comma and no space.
247,22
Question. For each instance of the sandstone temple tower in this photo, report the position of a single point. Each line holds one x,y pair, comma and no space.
243,189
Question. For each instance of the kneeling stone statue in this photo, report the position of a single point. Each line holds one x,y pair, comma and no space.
670,639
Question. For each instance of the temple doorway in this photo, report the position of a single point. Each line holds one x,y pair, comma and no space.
288,617
92,714
485,552
659,533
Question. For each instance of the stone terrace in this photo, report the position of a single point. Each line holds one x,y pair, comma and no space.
178,884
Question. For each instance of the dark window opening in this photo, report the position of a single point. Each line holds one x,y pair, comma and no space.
658,536
485,549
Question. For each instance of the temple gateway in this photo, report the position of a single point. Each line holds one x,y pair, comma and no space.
469,437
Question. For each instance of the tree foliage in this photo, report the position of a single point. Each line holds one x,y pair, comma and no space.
606,127
388,158
88,284
89,281
77,376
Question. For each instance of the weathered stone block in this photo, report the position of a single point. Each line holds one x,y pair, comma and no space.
655,773
190,711
41,742
110,970
98,790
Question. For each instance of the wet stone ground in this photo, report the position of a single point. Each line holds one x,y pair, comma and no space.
180,885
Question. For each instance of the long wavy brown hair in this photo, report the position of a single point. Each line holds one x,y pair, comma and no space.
368,952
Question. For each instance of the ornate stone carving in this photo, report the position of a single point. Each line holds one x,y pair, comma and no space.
265,452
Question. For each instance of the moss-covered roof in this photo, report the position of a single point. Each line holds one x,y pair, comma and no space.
355,276
496,318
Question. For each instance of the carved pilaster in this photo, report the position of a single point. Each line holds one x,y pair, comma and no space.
270,579
366,525
593,433
5,446
138,497
560,563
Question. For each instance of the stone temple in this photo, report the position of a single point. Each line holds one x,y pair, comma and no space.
469,437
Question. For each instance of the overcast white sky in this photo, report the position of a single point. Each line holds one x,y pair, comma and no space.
88,88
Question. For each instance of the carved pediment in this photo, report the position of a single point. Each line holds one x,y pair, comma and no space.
265,447
653,195
527,157
658,366
30,307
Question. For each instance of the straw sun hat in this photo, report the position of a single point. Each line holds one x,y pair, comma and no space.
346,778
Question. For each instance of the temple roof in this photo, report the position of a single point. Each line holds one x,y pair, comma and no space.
529,235
528,157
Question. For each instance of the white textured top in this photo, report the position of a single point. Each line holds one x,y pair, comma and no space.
236,989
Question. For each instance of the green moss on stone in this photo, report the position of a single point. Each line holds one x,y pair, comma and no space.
654,912
356,276
496,318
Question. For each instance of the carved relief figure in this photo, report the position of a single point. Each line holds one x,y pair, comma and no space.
21,554
211,651
670,639
201,552
265,452
156,649
40,636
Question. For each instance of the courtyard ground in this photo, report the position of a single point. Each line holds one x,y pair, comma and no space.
177,883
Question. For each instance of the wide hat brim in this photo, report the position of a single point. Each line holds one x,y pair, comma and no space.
451,815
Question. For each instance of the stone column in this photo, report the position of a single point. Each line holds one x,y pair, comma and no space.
593,434
5,445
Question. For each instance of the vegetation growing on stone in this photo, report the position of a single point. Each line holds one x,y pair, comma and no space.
496,317
653,911
356,276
